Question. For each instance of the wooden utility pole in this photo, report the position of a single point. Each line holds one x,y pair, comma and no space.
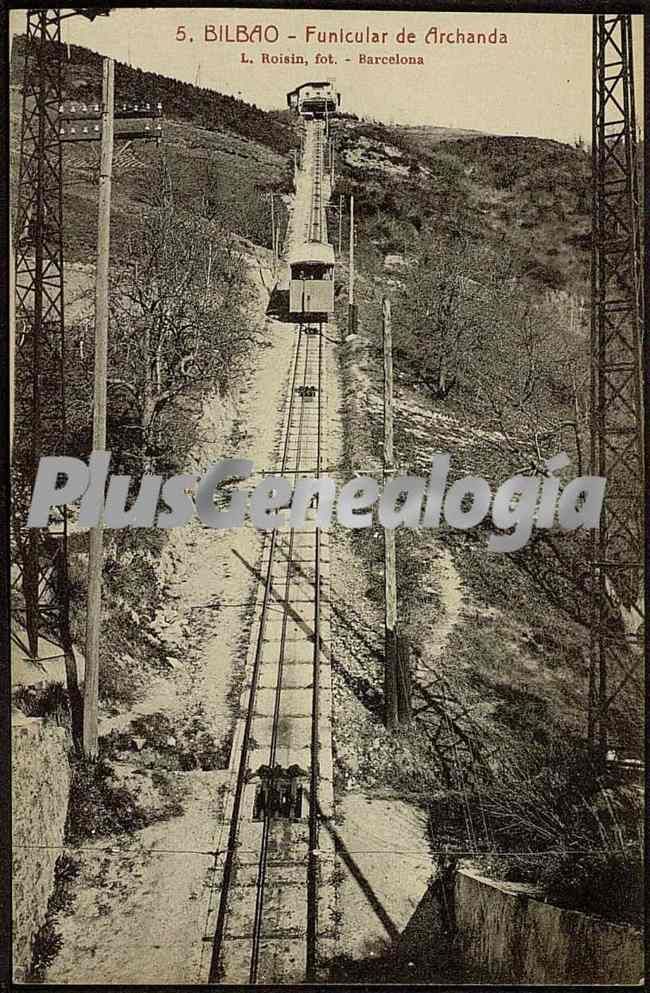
404,709
12,316
96,555
12,336
397,688
390,577
352,313
273,230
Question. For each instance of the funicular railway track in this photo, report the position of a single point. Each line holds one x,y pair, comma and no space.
267,921
272,911
316,225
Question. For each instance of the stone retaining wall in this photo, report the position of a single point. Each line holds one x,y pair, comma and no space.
40,788
509,936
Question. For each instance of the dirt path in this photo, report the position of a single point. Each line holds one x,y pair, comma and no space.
449,585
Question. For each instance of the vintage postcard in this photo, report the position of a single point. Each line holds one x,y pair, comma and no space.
327,497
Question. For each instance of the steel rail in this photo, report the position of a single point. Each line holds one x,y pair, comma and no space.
312,865
316,207
261,876
292,451
213,976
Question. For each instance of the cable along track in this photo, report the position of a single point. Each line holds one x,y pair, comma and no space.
316,225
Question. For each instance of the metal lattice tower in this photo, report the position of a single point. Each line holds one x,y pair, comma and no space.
616,403
40,401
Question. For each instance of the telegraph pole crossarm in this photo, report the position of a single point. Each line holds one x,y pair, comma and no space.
84,122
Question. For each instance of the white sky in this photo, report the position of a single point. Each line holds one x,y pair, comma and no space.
537,84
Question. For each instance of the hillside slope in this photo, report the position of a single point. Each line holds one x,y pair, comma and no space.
220,156
482,244
527,197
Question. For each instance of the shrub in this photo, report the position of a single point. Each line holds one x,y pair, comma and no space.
49,701
66,870
46,945
606,884
117,681
547,274
47,942
209,756
179,749
446,166
609,884
97,808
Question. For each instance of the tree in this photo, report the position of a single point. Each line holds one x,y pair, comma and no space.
445,312
180,331
532,384
178,328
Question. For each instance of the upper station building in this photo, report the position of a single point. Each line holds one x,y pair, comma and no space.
315,99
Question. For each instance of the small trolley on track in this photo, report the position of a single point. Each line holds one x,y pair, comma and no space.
311,290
